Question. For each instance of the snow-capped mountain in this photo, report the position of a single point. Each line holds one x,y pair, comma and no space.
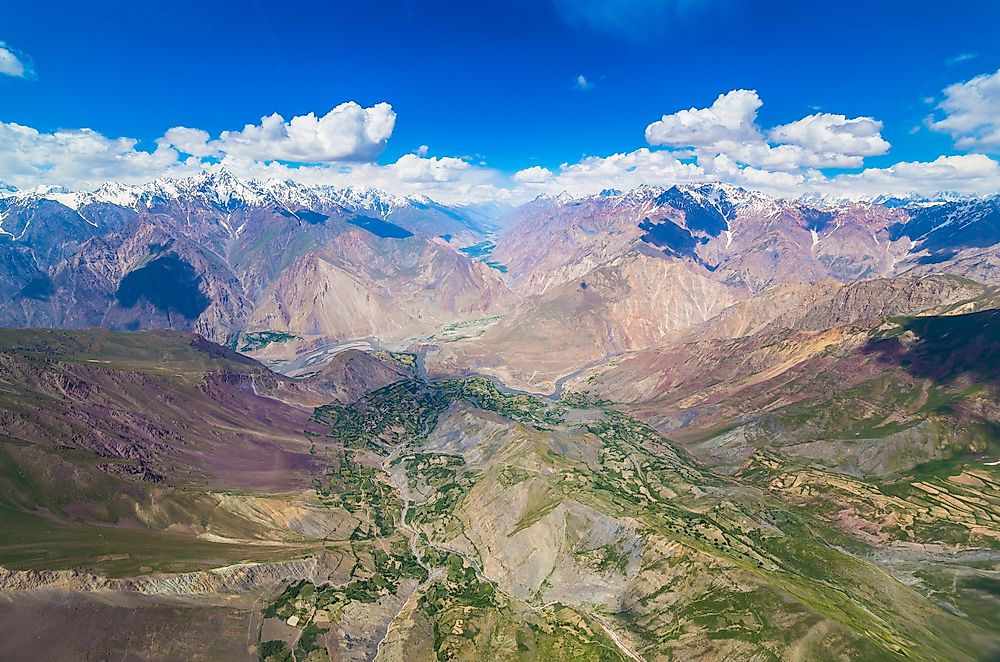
276,254
346,262
827,200
224,189
745,237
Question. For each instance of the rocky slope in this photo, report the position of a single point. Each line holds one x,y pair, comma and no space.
312,265
749,239
604,275
222,256
630,303
862,387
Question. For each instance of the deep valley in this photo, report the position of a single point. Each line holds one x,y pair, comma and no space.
244,420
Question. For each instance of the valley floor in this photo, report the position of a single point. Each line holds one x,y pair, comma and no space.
451,519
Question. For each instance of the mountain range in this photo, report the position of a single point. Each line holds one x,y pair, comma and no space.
222,257
225,257
265,420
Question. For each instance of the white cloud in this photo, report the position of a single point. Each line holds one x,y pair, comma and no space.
446,179
789,157
720,143
729,126
13,64
722,168
581,83
533,175
971,113
80,158
974,173
413,168
84,159
189,141
624,171
961,57
347,133
730,120
422,150
968,173
825,133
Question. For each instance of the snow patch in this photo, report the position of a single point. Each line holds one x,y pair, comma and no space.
21,236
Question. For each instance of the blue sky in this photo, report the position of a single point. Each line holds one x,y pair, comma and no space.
495,84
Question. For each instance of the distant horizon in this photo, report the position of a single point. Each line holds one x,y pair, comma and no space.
67,196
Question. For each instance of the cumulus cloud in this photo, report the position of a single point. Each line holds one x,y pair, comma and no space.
966,173
84,159
349,132
447,179
533,175
722,142
825,133
629,170
80,158
788,157
971,113
189,141
413,168
624,171
13,63
722,168
729,126
972,173
730,120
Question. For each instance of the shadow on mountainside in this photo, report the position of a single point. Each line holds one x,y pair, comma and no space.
945,348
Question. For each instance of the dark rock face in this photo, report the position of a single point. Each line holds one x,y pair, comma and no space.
168,283
380,228
307,215
943,230
39,288
700,216
670,237
945,348
17,269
